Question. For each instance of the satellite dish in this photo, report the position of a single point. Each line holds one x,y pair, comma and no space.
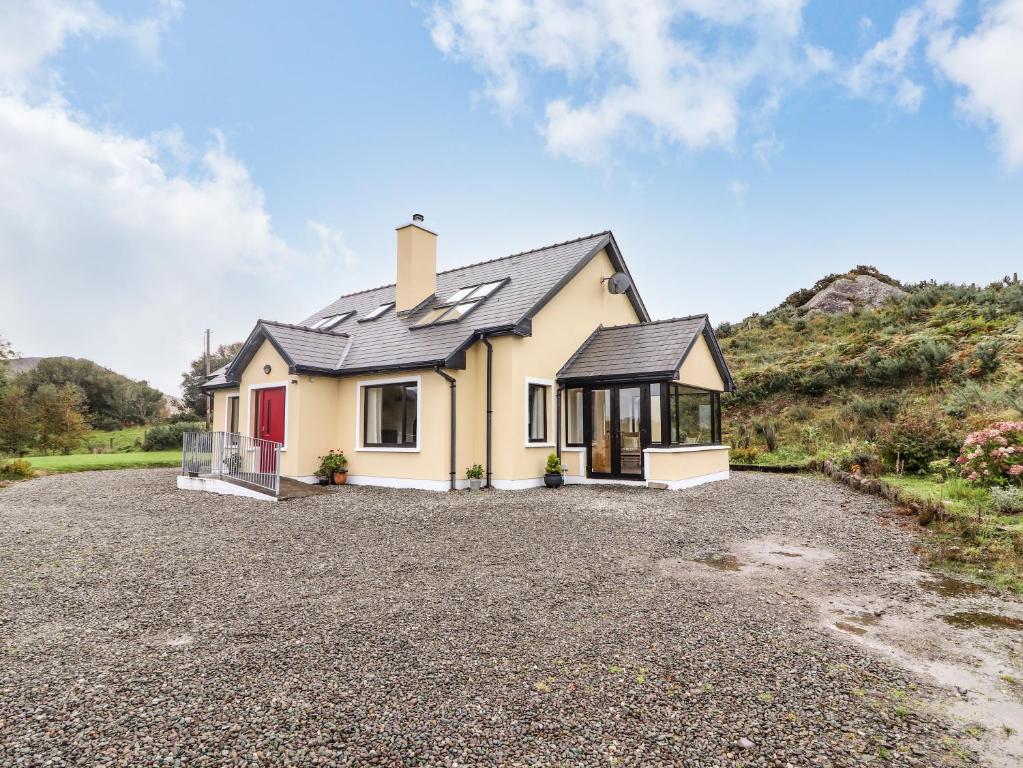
619,282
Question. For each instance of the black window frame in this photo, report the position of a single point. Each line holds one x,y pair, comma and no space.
405,386
544,389
668,428
582,430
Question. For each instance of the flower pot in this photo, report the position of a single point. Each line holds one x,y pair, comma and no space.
553,479
475,483
323,480
340,478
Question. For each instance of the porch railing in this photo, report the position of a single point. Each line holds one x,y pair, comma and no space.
250,460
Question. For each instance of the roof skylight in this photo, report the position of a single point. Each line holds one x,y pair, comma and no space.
375,313
458,304
330,321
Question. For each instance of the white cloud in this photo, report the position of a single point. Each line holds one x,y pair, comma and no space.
988,64
642,69
119,247
882,71
738,189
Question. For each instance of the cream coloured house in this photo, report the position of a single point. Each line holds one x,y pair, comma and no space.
498,363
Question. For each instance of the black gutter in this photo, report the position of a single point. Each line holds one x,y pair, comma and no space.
452,382
490,404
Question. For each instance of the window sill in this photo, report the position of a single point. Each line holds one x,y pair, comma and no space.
385,449
574,448
689,448
539,445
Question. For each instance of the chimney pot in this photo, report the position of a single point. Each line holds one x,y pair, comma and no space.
417,217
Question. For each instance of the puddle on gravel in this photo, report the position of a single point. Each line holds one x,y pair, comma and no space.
169,641
946,586
722,561
850,628
982,620
975,673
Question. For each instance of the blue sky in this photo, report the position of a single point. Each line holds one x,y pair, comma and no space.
739,150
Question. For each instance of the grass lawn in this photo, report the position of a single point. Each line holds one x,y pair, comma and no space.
972,539
81,462
115,440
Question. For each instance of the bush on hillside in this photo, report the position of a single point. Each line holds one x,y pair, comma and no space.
16,468
168,436
913,441
994,456
1007,501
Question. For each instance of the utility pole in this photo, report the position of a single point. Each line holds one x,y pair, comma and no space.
209,398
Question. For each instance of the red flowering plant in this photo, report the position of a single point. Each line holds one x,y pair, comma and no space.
993,456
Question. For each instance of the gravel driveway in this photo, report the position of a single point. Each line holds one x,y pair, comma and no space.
591,625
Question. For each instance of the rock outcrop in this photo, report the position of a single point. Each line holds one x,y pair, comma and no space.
847,293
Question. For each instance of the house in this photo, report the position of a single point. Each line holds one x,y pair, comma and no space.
499,363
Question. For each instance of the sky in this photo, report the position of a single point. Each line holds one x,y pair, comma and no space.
171,166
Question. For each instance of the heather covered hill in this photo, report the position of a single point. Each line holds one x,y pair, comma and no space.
812,382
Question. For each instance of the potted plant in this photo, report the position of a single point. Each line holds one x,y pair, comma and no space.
554,472
334,466
475,475
233,462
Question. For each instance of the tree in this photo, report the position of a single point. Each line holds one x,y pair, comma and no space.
6,353
17,421
60,417
192,396
113,400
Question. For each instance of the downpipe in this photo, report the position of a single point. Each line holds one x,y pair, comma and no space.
451,381
490,401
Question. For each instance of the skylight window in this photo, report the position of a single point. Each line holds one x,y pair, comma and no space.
375,313
328,322
459,304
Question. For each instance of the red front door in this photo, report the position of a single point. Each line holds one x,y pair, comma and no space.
269,424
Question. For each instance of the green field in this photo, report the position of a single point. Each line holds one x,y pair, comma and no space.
127,439
81,462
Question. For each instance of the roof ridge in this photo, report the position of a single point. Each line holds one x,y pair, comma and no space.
485,261
337,334
703,315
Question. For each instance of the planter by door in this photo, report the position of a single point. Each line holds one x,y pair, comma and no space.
553,479
269,424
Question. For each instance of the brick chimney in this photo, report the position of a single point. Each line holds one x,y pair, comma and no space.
417,264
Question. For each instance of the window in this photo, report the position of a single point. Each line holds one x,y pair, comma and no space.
655,413
389,415
232,414
458,304
574,417
691,415
375,313
537,421
330,321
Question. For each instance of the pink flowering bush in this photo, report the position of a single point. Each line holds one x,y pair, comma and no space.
994,456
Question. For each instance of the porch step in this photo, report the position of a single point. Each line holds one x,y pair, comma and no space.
290,489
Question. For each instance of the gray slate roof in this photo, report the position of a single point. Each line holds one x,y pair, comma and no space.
642,350
390,342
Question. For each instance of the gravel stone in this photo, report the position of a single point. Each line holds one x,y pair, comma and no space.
142,625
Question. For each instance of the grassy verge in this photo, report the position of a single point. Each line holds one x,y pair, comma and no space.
971,539
119,440
81,462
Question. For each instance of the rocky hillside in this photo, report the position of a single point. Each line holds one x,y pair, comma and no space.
836,363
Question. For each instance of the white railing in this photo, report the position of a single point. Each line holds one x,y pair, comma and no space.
251,460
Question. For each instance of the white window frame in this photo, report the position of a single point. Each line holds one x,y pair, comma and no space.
249,414
361,385
550,411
